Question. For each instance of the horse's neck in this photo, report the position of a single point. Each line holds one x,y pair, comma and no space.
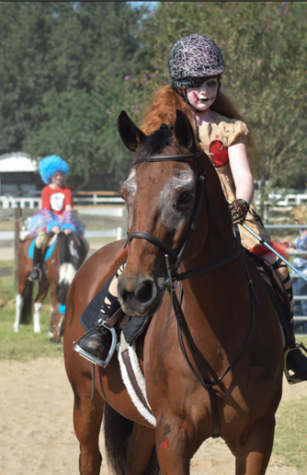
228,280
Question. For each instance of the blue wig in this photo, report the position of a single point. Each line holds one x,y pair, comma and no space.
49,165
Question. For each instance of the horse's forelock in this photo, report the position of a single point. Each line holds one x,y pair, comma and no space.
155,143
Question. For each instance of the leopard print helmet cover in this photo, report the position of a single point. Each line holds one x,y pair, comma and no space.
192,58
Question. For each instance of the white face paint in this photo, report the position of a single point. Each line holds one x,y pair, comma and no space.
131,187
172,217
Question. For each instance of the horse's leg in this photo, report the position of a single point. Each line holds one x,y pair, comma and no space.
174,446
87,422
22,285
257,451
41,295
139,449
18,305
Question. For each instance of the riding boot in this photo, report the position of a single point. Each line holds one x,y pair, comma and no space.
103,306
296,360
36,273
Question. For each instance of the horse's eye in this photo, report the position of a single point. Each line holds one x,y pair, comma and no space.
184,199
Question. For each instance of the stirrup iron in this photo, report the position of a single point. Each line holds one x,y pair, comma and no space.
93,359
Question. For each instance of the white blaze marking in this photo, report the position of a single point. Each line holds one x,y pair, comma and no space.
131,187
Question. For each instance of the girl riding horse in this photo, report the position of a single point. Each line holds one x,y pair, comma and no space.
56,210
196,65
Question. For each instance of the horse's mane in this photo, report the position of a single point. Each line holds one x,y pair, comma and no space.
166,101
163,110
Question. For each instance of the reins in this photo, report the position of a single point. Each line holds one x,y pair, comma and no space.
172,270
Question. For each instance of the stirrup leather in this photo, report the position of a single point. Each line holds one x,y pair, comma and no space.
93,359
292,378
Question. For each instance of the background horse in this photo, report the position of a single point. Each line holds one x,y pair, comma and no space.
230,318
62,256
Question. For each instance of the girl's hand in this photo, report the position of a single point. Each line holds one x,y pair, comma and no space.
238,210
56,229
67,231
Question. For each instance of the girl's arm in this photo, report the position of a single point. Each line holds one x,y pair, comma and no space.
241,172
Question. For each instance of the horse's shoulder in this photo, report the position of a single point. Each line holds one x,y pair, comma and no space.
101,265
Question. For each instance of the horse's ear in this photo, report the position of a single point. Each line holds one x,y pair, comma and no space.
130,134
184,132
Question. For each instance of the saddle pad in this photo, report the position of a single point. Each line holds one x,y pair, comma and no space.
31,249
49,252
134,380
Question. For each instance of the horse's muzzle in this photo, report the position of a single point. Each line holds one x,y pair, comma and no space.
140,296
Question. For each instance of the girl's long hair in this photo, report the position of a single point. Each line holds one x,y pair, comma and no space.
163,110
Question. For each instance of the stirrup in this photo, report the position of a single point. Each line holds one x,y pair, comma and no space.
93,359
40,272
292,378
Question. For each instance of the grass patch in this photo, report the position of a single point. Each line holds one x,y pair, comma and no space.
290,435
24,345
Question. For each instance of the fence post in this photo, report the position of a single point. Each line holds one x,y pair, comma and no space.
17,212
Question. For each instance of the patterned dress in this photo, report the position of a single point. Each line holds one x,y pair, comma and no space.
216,137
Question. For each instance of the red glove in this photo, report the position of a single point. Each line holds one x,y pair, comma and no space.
238,210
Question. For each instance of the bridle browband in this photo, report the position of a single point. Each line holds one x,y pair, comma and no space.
173,275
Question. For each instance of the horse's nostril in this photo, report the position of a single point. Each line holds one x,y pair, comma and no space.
126,295
144,292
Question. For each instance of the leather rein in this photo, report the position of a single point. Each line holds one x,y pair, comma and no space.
182,326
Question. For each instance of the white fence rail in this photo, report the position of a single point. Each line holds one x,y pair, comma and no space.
7,202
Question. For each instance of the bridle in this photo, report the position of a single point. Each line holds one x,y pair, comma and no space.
173,275
202,189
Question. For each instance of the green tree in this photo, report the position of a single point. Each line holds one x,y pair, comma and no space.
265,50
62,72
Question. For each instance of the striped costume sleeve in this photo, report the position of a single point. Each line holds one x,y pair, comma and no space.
68,224
49,219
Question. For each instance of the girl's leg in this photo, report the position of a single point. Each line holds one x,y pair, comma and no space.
296,360
36,273
92,343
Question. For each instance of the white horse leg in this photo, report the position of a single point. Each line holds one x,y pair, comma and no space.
19,304
36,317
50,328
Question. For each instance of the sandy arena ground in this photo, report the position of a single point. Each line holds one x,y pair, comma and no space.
36,430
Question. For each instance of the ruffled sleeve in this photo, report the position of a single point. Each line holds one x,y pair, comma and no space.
237,132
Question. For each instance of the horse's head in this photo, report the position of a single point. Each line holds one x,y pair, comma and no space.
161,194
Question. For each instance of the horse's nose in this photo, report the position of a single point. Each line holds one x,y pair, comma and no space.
137,296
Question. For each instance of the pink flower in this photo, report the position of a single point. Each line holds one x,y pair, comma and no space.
128,77
200,5
152,76
153,13
286,11
137,107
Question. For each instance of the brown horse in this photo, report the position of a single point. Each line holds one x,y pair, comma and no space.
62,257
232,326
